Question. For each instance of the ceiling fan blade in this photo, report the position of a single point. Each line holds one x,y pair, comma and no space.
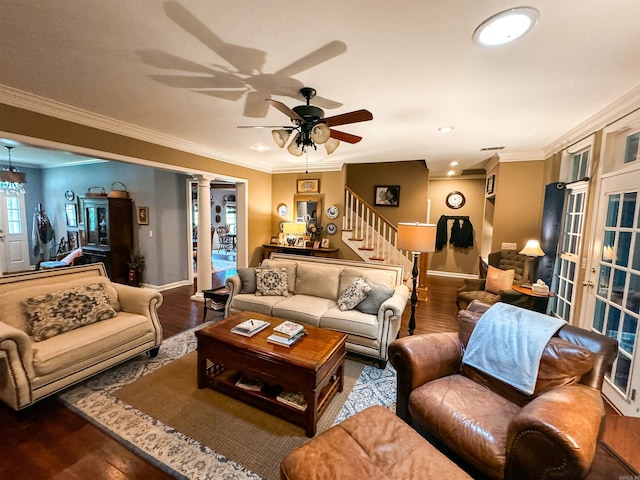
284,109
345,137
322,54
288,127
351,117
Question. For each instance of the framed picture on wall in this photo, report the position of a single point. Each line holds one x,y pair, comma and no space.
308,185
386,195
491,184
143,215
71,212
73,240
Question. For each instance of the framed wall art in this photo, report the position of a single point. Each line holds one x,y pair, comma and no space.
71,212
143,215
308,185
386,195
73,240
491,184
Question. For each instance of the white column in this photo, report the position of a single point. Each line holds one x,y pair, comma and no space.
204,235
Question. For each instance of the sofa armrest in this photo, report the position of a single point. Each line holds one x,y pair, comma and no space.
16,366
560,426
234,285
472,285
394,306
418,359
143,301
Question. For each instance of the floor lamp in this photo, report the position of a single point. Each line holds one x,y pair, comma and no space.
531,250
416,238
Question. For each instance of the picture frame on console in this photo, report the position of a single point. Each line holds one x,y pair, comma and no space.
325,243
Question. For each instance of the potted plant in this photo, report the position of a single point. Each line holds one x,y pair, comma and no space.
136,265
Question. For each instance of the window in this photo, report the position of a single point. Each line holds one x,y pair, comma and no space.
13,216
230,217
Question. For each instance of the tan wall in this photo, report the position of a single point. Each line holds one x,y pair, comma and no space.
30,124
451,259
518,203
413,178
332,193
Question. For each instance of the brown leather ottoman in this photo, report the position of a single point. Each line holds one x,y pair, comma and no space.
372,444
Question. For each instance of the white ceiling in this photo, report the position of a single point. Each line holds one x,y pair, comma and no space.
186,72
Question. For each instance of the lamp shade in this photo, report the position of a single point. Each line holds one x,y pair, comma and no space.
417,237
532,249
280,137
330,145
294,148
294,228
320,133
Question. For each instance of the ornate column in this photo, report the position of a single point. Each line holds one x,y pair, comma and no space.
204,235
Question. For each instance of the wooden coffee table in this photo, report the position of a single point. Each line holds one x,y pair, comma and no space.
314,366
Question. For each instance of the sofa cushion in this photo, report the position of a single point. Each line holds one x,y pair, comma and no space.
11,302
498,279
291,267
318,280
378,295
353,295
249,302
54,313
248,279
271,281
303,308
381,277
351,322
89,342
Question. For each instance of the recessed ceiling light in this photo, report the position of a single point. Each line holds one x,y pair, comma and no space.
261,148
506,26
454,164
445,129
451,172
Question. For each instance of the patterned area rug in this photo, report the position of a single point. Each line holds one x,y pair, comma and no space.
171,450
218,265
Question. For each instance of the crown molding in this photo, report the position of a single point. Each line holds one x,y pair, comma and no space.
35,103
521,156
623,106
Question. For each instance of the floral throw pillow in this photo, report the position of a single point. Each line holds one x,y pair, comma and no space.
54,313
353,295
271,281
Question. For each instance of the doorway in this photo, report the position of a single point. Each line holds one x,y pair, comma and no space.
14,245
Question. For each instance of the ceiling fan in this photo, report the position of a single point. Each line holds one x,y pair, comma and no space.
311,127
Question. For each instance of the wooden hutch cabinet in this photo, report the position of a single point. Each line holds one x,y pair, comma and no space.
108,228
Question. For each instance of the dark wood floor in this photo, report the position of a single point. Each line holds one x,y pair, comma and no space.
48,441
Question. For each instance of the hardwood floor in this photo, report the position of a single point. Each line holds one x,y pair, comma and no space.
49,441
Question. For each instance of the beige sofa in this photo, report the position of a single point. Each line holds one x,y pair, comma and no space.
314,286
36,360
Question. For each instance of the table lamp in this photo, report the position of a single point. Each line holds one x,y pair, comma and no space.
416,238
291,229
531,250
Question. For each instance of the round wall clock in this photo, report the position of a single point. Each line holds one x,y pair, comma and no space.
69,195
331,228
332,212
455,200
282,210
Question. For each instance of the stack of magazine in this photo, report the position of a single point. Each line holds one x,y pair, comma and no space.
295,400
287,333
250,327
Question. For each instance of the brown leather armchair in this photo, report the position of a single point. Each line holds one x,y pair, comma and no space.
474,288
493,430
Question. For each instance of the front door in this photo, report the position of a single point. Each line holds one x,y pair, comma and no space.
613,284
14,246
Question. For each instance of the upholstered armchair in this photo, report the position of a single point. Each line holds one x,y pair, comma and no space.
476,288
489,427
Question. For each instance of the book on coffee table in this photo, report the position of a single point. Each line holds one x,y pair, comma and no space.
295,400
286,342
288,329
250,327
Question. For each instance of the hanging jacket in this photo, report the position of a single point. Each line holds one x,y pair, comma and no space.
441,233
455,233
466,234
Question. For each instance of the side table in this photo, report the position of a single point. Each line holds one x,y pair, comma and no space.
535,301
217,297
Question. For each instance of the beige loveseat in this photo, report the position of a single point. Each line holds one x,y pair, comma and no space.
315,285
36,360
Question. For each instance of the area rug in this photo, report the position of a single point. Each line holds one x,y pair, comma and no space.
167,447
228,426
218,265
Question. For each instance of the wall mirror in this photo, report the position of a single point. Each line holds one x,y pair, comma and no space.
308,208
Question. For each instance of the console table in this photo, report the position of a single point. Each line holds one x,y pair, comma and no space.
268,249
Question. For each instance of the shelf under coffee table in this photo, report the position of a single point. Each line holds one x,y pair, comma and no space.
314,366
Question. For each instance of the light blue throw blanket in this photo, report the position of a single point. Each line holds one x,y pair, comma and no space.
507,343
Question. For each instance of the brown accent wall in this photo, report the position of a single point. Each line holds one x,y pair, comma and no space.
518,203
413,178
450,258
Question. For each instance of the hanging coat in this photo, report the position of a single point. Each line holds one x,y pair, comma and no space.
455,233
466,234
441,233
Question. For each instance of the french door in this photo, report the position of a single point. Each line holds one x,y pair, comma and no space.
613,284
14,245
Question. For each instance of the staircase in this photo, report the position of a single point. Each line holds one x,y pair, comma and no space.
371,236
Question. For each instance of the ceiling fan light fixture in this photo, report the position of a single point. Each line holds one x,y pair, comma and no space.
280,136
320,133
294,147
11,180
330,145
506,26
